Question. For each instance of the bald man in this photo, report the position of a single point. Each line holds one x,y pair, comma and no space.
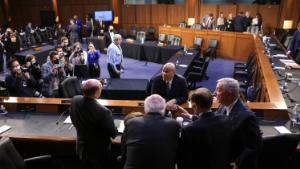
94,126
170,86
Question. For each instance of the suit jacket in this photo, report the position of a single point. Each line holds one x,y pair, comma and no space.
178,91
151,142
239,22
205,143
107,39
73,30
247,22
295,43
246,139
94,126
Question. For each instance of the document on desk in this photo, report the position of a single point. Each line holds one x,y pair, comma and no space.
182,65
282,130
4,128
280,56
285,61
68,120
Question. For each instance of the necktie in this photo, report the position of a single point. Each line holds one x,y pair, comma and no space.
168,88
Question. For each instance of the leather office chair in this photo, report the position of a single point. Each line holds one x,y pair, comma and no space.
162,37
176,41
197,74
170,39
211,51
81,71
70,87
278,151
198,43
243,66
122,32
287,41
132,32
11,159
150,34
182,25
140,35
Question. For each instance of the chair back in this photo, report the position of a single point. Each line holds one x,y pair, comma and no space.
81,71
170,39
287,41
198,41
70,87
182,25
140,35
212,43
9,156
278,150
176,41
161,37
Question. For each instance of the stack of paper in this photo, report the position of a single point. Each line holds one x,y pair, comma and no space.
282,130
4,128
280,56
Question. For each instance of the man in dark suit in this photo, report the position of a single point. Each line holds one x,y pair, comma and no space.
246,137
108,36
205,142
170,86
151,141
294,46
247,20
94,125
239,22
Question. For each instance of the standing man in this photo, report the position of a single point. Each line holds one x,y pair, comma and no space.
248,20
294,47
170,86
151,141
239,22
108,36
73,31
94,126
205,142
52,74
115,57
78,22
246,137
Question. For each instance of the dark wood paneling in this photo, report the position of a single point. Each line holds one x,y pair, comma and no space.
175,14
143,13
159,14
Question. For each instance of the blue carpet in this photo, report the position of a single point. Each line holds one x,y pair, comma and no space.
218,68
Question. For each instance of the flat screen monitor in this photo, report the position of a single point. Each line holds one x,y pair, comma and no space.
107,16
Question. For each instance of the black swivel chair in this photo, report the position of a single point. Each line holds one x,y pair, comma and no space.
11,159
197,74
132,32
150,35
211,51
70,87
198,43
278,151
81,71
170,39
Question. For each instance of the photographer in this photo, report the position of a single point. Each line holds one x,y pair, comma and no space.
78,56
35,69
93,61
20,83
52,74
11,43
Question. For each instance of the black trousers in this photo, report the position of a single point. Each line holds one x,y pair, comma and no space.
94,71
112,72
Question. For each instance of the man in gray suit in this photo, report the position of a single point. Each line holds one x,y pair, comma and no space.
94,125
151,141
73,31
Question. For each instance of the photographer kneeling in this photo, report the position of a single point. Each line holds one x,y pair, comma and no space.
20,83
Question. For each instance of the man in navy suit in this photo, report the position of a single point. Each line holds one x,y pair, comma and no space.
239,22
170,86
294,47
79,25
246,137
205,142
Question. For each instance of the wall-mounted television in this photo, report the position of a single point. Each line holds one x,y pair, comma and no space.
107,16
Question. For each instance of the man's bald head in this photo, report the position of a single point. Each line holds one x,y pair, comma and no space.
168,71
92,88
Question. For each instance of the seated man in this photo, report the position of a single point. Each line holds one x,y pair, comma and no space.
94,126
170,86
52,74
20,83
151,141
205,142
